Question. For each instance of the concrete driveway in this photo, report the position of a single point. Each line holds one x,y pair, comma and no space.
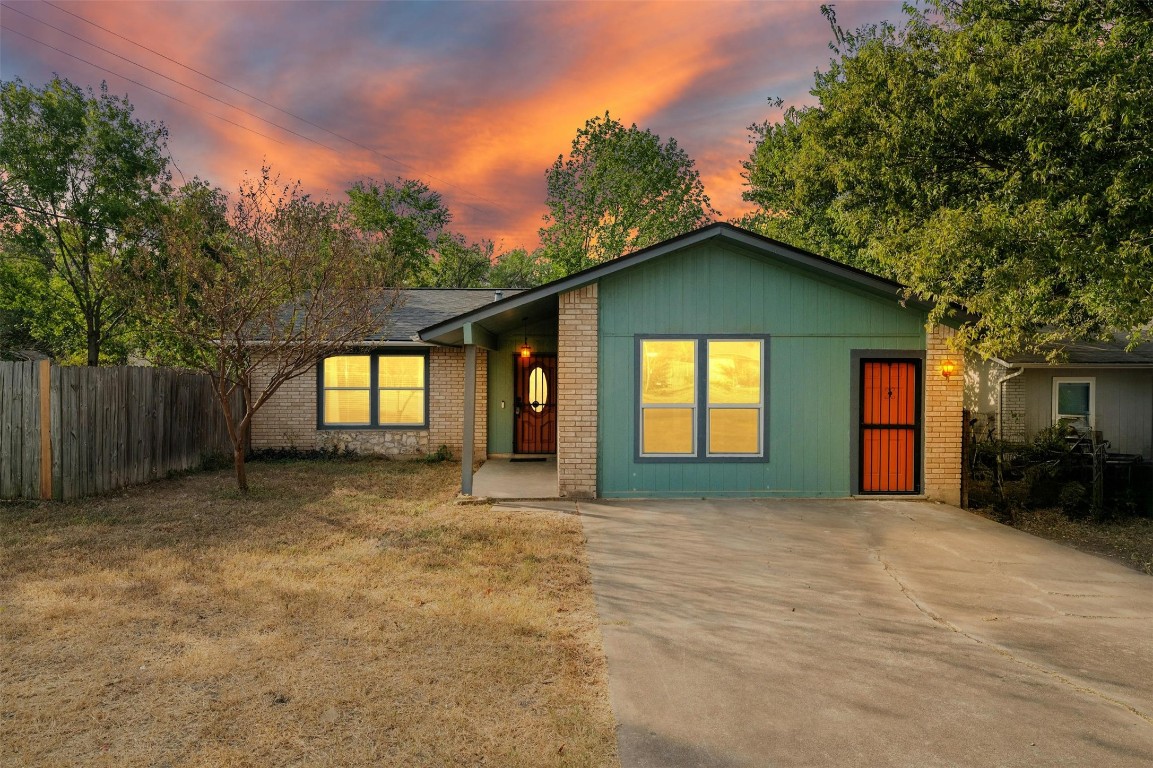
864,633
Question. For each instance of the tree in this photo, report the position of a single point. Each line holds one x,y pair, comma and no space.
992,153
456,263
620,189
407,217
254,290
518,268
78,178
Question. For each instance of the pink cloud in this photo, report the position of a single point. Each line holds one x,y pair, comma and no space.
477,99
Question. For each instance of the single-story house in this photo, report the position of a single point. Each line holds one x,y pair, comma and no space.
1102,388
718,363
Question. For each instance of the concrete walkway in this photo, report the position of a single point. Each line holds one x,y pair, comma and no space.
509,479
865,633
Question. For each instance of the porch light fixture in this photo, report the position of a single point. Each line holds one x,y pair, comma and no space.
525,350
948,368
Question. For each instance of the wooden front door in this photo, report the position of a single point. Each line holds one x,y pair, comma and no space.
534,419
890,428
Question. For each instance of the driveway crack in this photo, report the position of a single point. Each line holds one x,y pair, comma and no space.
1032,665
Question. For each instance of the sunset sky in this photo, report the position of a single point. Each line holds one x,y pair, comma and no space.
477,99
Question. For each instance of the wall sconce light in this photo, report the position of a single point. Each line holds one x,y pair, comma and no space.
525,350
948,368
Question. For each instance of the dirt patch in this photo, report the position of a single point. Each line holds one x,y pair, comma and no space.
345,613
1128,541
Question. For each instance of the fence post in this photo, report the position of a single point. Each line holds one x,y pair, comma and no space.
46,429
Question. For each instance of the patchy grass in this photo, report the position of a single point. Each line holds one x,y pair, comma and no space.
1128,541
344,614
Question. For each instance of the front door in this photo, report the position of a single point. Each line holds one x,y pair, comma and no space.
534,419
890,428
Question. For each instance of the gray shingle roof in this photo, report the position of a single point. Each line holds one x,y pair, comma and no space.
421,307
1111,352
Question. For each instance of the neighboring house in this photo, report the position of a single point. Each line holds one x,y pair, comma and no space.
1099,387
719,363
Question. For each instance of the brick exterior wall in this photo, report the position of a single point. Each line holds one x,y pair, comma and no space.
288,419
1012,414
577,343
944,402
446,401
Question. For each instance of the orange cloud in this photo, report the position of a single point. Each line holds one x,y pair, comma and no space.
476,99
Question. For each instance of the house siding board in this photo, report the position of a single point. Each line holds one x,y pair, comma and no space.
814,324
1124,405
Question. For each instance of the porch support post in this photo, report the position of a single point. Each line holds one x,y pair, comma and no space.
469,437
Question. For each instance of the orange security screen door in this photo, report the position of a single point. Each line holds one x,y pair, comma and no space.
890,427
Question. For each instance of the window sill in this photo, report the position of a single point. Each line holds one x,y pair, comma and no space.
372,428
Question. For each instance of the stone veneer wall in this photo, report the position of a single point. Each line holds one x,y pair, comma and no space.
577,349
288,419
944,403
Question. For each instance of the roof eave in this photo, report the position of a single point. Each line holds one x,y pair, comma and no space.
787,253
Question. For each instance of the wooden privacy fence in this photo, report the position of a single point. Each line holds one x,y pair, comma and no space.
71,432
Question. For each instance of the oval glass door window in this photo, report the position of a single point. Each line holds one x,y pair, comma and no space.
537,389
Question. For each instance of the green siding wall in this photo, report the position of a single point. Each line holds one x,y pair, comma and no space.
814,323
542,338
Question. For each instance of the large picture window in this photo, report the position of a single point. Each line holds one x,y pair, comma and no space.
701,398
382,389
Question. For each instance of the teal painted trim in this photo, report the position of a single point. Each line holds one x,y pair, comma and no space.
478,335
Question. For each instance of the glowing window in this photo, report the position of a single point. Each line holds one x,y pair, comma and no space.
674,390
537,389
398,381
668,397
347,384
736,397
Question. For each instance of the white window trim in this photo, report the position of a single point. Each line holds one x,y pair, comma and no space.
1092,382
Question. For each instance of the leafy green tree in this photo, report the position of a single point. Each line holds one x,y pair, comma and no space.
254,289
518,268
619,189
992,153
457,263
407,216
79,176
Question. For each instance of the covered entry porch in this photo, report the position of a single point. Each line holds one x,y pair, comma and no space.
533,391
517,477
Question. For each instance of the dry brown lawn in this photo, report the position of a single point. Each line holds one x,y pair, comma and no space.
344,614
1129,541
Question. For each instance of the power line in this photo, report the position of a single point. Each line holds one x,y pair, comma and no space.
306,121
137,82
166,77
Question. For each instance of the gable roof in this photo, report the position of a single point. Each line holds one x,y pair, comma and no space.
508,312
